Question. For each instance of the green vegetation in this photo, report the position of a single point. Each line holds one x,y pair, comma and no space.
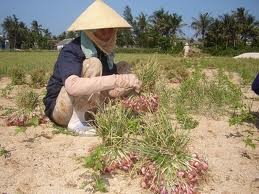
5,92
199,94
30,61
156,140
94,160
244,116
20,130
115,125
147,72
7,111
27,100
4,152
134,140
100,184
18,76
26,61
38,78
249,141
62,130
34,37
34,121
228,34
246,68
150,136
161,141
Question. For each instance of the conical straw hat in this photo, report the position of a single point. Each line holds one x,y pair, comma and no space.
98,15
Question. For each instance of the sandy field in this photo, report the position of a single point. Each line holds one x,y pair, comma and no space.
40,162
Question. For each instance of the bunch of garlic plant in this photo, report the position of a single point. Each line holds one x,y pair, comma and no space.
164,147
148,73
116,124
144,142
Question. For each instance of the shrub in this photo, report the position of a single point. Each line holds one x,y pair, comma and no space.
144,143
160,140
244,116
5,92
4,152
178,73
177,49
115,124
163,155
18,76
38,78
27,100
148,73
168,102
200,95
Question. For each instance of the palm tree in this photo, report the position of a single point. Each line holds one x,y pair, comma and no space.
128,34
201,25
128,15
229,29
142,22
246,24
141,30
166,24
165,27
214,35
175,23
35,27
10,27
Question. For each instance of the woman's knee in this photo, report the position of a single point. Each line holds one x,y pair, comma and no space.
63,109
92,67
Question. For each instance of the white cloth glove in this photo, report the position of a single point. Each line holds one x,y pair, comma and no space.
119,92
77,86
127,81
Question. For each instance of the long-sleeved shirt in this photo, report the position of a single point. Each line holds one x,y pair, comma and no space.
69,62
255,85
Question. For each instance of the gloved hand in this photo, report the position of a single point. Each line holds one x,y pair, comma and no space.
77,86
119,92
127,81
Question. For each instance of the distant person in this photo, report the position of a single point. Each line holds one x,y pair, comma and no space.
7,45
255,85
85,74
186,50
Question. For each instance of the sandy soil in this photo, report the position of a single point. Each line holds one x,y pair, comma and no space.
40,162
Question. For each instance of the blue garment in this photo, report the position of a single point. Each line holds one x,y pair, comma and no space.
255,85
69,62
89,50
87,46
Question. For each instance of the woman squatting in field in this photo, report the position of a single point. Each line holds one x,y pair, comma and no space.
85,74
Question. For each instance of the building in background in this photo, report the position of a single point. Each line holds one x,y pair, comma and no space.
4,43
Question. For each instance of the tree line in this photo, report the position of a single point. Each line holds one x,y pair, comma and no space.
237,29
161,29
230,30
21,36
